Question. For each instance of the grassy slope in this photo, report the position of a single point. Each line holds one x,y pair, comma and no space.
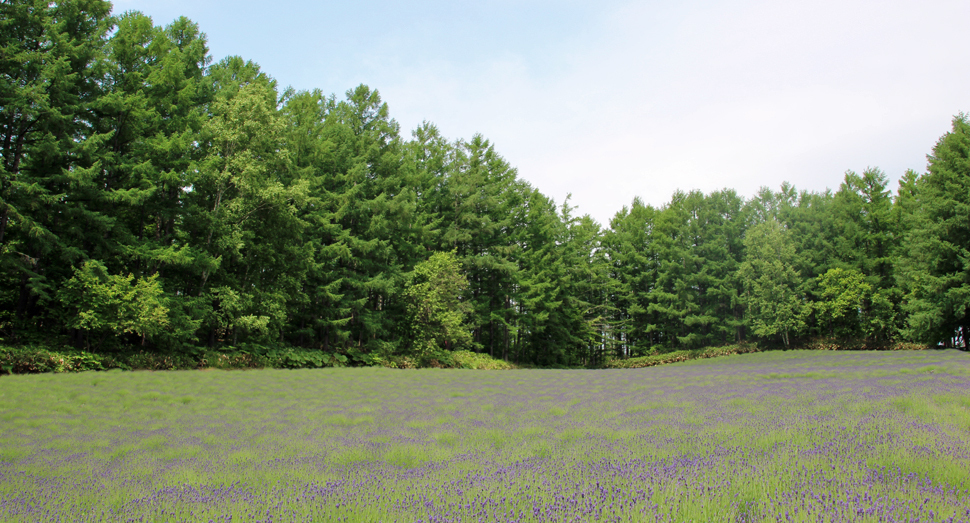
681,355
665,358
374,444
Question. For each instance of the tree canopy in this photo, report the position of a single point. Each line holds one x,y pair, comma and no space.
153,197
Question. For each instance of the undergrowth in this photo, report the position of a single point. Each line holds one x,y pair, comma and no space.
32,359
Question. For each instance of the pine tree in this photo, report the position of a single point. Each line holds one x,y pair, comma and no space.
935,273
48,81
151,111
479,220
862,211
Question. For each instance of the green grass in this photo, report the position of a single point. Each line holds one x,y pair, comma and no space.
740,430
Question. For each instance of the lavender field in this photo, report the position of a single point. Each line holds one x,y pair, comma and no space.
783,436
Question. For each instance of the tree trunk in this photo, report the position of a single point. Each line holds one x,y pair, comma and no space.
3,221
24,294
505,352
300,340
491,338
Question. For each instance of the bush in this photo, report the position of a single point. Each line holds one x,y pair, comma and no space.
744,348
400,362
859,344
682,355
158,361
465,359
303,359
29,360
32,360
906,345
232,360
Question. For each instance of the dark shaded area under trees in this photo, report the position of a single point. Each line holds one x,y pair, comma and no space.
151,198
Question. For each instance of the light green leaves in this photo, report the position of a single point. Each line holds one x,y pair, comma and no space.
436,310
771,282
114,303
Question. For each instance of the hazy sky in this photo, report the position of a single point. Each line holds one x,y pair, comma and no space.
615,99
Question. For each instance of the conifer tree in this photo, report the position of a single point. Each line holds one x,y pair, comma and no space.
862,211
479,221
48,82
936,275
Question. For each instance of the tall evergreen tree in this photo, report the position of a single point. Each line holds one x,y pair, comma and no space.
49,79
366,185
862,211
634,267
151,112
479,221
936,273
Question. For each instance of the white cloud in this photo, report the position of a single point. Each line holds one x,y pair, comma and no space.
710,95
635,98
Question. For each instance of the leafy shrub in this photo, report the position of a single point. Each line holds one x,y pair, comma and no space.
31,359
28,360
743,348
906,345
304,359
142,360
113,303
465,359
860,344
367,359
682,355
400,362
232,360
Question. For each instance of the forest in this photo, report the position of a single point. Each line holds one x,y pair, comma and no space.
154,199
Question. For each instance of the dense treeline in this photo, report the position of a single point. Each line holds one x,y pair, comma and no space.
153,198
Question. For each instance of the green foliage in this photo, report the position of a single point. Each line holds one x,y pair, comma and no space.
677,266
841,296
49,69
859,344
936,273
465,359
143,360
151,198
303,359
867,245
232,360
29,360
435,305
666,358
770,281
114,303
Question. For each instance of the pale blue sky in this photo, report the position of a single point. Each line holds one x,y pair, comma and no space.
615,99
